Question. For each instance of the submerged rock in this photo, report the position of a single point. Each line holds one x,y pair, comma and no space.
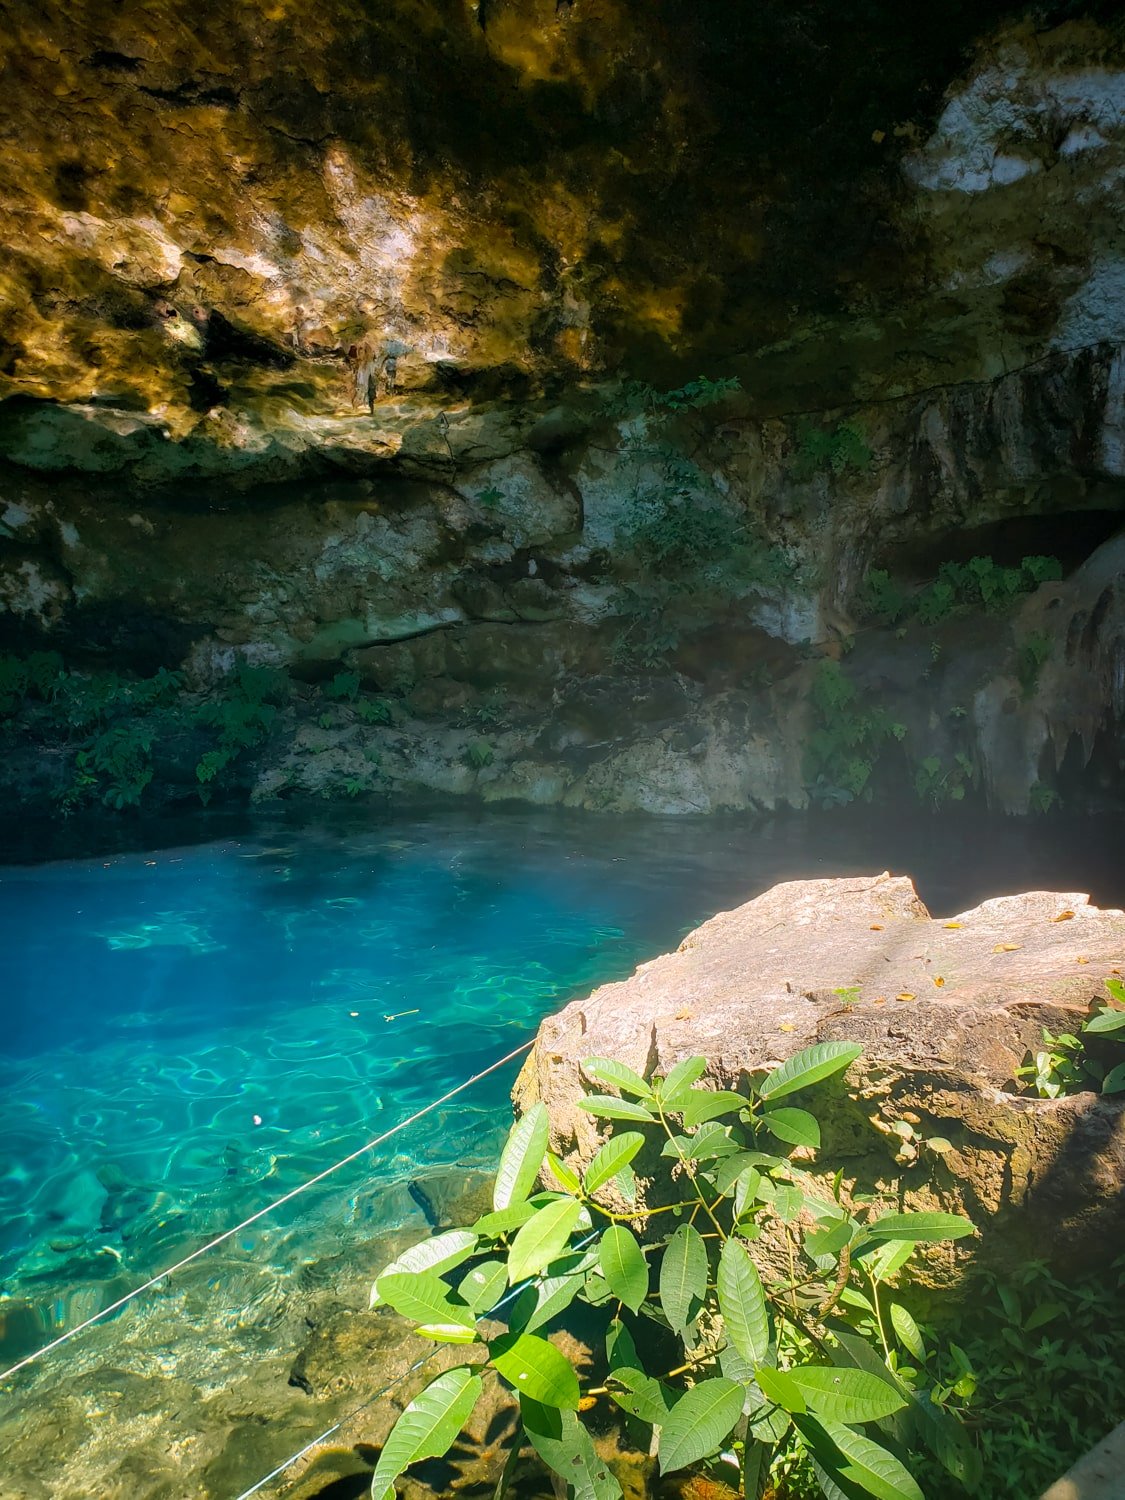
946,1010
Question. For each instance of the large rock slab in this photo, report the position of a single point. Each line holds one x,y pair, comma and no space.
946,1010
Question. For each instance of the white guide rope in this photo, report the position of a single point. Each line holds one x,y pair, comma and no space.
261,1213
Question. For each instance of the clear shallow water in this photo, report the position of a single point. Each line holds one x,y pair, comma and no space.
190,1032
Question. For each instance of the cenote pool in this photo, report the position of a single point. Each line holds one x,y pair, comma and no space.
191,1031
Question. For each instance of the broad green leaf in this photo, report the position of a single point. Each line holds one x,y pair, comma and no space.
1106,1022
620,1350
641,1395
827,1243
535,1368
495,1224
729,1171
742,1302
851,1396
709,1141
624,1266
521,1158
854,1459
683,1278
423,1296
483,1286
563,1174
755,1466
427,1428
681,1078
809,1066
917,1227
543,1238
1114,1080
909,1334
617,1152
606,1107
708,1104
447,1333
699,1423
554,1294
441,1253
618,1076
889,1256
794,1126
779,1387
567,1449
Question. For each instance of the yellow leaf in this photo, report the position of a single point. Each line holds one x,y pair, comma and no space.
1063,916
586,1402
787,1026
685,1014
1005,947
879,1000
906,995
876,927
1081,960
938,980
951,925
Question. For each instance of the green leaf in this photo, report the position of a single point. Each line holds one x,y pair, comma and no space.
618,1076
710,1141
1106,1022
795,1126
543,1238
755,1466
421,1295
699,1422
624,1266
620,1350
441,1253
855,1460
617,1152
909,1334
427,1428
827,1243
642,1396
779,1387
1114,1080
809,1066
918,1227
742,1302
682,1076
563,1174
606,1107
851,1396
566,1448
683,1278
730,1170
521,1158
535,1368
554,1294
699,1105
483,1286
492,1226
890,1256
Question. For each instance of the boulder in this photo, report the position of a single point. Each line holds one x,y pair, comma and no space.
946,1010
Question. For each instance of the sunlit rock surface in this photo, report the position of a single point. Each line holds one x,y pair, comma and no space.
946,1010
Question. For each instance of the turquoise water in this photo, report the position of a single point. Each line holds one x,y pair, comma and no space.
191,1031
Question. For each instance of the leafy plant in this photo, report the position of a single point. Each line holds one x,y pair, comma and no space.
374,710
243,715
1041,798
1031,657
490,498
937,783
1030,1371
980,584
1063,1066
773,1286
478,754
835,450
846,738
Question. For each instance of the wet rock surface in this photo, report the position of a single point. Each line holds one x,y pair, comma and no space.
946,1009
